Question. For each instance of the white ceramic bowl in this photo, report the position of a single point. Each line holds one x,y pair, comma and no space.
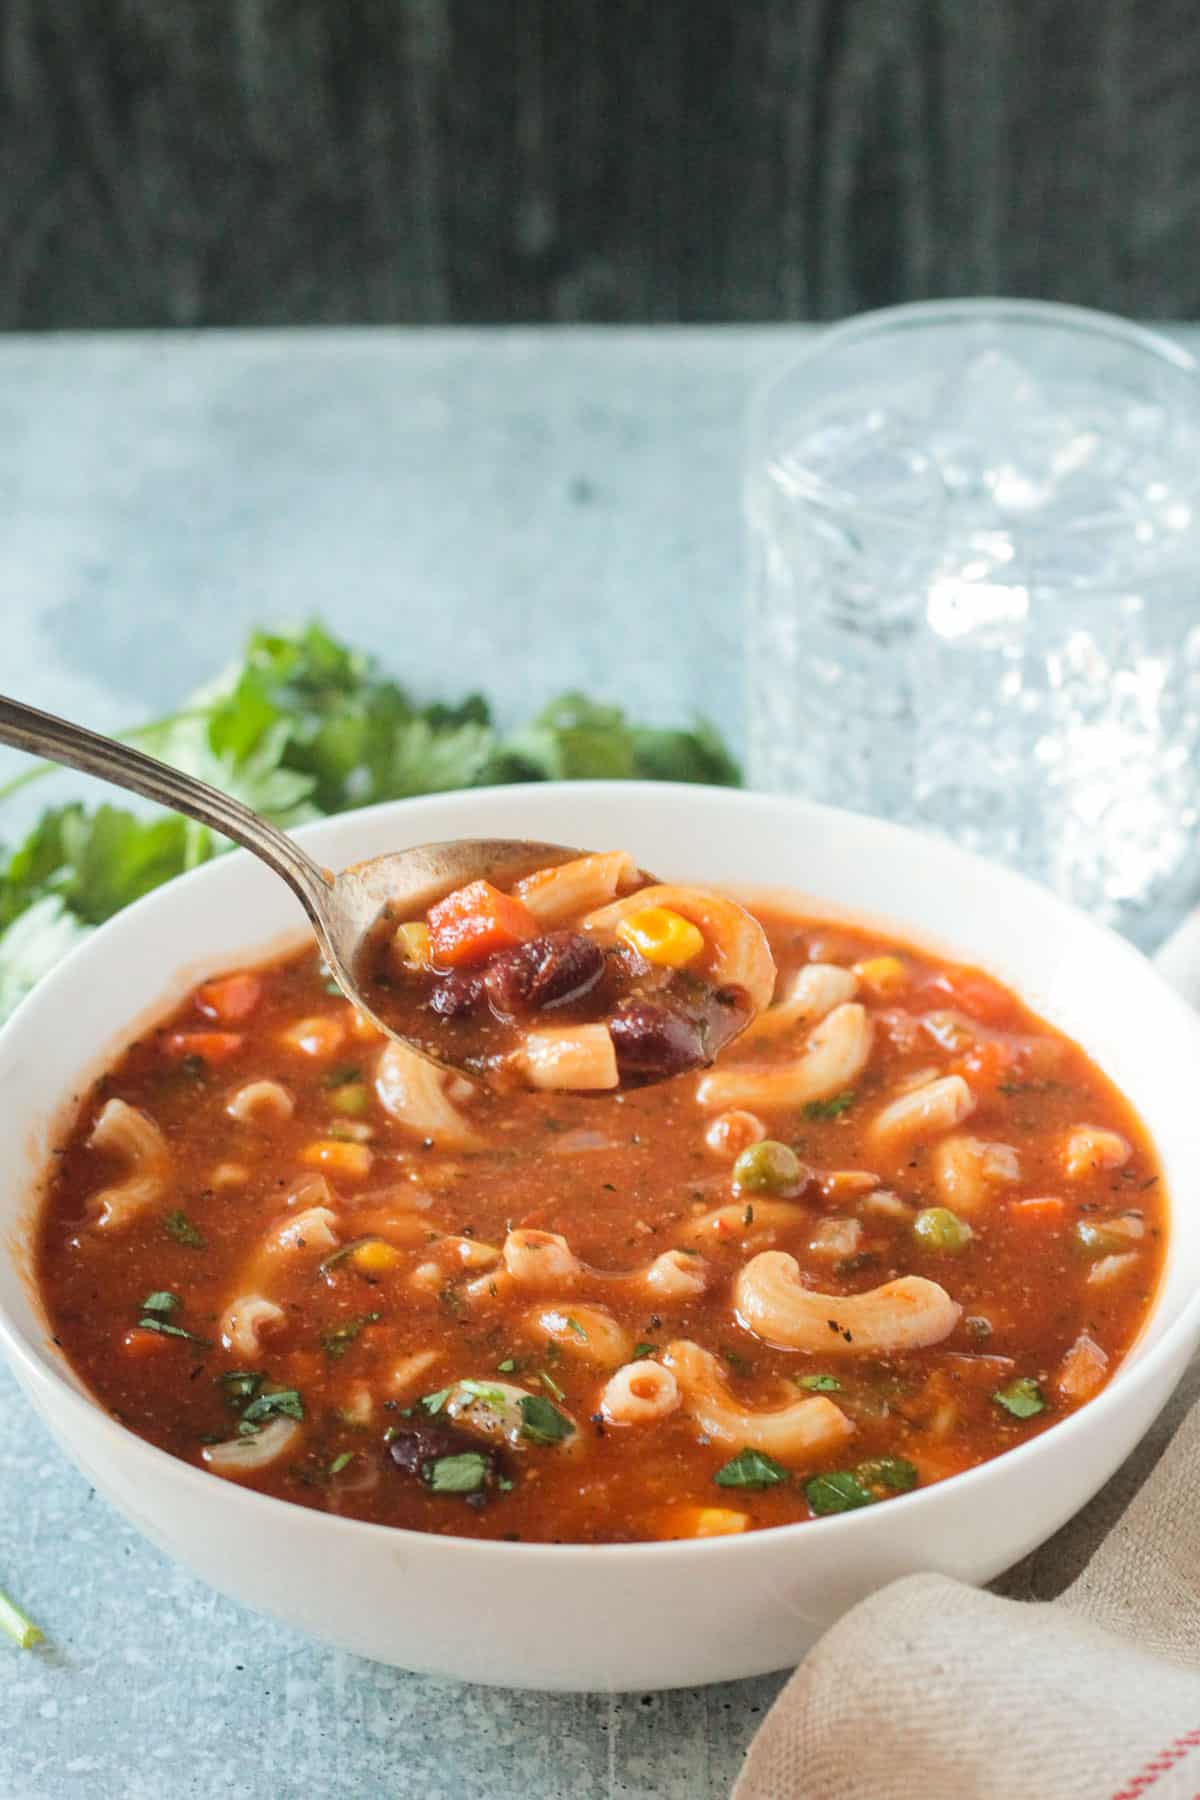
622,1616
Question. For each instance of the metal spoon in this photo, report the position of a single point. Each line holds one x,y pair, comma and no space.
342,908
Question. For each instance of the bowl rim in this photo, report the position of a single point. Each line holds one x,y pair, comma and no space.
33,1371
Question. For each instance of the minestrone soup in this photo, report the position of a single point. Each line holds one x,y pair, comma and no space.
901,1226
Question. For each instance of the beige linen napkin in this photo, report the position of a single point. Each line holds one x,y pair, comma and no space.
931,1690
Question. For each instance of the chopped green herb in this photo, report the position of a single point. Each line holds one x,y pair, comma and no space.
504,1484
18,1625
894,1472
488,1392
751,1469
837,1492
640,1350
541,1422
457,1474
335,1343
240,1384
181,1228
343,1250
161,1303
341,1077
576,1327
433,1403
819,1384
280,1403
507,1366
830,1109
1022,1398
551,1385
339,1462
390,1433
741,1365
165,1329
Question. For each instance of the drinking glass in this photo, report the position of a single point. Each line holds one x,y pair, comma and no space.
975,600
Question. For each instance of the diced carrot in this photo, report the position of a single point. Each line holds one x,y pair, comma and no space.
210,1046
1044,1212
473,922
985,1062
138,1343
231,998
975,994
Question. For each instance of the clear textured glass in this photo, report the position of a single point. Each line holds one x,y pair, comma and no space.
976,592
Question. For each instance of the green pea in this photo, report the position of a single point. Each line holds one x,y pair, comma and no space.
768,1168
353,1099
937,1228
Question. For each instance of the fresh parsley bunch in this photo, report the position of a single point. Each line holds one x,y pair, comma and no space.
302,727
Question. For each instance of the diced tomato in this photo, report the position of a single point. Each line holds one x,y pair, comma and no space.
138,1343
473,922
210,1046
1045,1212
975,994
231,998
985,1063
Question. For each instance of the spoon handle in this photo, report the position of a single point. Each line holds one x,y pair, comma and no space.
41,734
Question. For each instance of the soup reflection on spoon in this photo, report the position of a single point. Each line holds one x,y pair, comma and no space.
521,963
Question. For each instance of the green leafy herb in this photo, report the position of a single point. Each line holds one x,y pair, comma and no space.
895,1473
488,1392
161,1303
240,1385
576,1327
551,1386
838,1492
152,1322
279,1403
303,726
819,1384
829,1109
340,1462
457,1474
751,1469
335,1343
1022,1398
433,1403
506,1367
18,1625
181,1228
641,1350
343,1250
541,1422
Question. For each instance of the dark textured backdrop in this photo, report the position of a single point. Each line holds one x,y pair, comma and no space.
225,161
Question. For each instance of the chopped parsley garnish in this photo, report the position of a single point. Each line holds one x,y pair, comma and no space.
152,1322
343,1250
335,1343
641,1350
819,1384
340,1462
551,1386
541,1422
751,1469
741,1365
18,1625
844,1490
1022,1398
457,1474
181,1228
433,1403
836,1493
576,1327
830,1109
161,1303
282,1403
240,1384
488,1392
507,1367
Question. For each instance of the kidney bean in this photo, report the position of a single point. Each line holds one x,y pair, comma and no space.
545,972
653,1040
417,1443
456,995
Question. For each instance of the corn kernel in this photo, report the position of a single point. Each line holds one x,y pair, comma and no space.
882,976
662,936
714,1521
375,1258
410,946
315,1037
350,1160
